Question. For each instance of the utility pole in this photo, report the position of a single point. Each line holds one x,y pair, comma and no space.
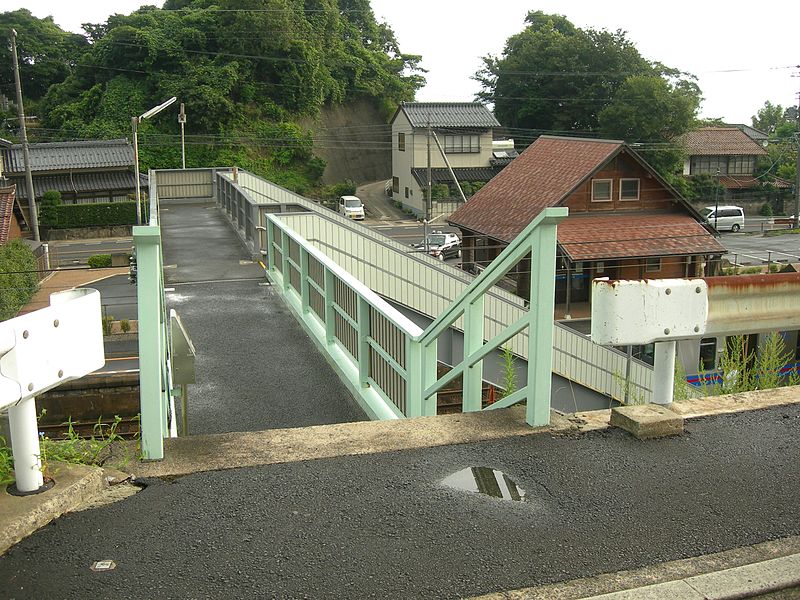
23,133
797,168
182,121
716,202
429,203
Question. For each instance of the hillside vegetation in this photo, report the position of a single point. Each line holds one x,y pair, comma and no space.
248,73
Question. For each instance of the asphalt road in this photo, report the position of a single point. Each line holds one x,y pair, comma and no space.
383,526
756,249
117,297
65,253
256,368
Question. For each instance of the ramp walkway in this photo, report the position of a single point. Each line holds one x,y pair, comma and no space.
256,368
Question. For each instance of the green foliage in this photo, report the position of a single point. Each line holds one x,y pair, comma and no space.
94,449
509,373
48,213
704,187
6,463
773,118
440,190
680,389
99,261
765,210
125,325
18,277
94,215
107,322
243,90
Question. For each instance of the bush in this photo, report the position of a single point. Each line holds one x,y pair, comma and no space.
108,322
344,188
99,261
125,325
18,277
765,210
94,215
48,211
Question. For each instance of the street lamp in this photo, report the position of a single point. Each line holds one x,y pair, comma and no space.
135,125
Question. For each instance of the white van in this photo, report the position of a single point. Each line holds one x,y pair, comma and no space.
724,217
351,207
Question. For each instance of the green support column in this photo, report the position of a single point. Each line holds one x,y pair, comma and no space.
304,294
540,330
285,261
415,381
429,376
473,340
270,246
147,240
330,313
363,343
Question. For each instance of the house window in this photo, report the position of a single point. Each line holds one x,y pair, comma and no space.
600,267
741,165
709,164
406,192
652,265
601,190
401,142
395,185
462,144
628,189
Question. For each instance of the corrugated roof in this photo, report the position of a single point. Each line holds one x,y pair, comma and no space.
634,235
448,114
721,141
66,156
543,175
6,212
442,175
79,182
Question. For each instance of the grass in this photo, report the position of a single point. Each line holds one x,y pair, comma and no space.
97,449
776,232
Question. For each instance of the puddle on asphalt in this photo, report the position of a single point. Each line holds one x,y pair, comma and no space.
483,480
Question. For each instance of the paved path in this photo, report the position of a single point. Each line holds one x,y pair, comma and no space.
256,368
377,204
383,526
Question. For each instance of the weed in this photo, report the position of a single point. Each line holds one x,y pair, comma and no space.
509,373
108,321
125,325
6,463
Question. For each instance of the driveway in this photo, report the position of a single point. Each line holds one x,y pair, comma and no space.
378,205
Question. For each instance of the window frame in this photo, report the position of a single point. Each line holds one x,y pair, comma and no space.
638,189
648,264
610,190
401,142
473,147
395,185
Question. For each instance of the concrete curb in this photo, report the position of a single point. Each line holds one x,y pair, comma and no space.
22,516
738,573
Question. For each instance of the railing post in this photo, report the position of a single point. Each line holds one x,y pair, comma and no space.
540,330
147,240
270,246
304,292
415,379
287,280
330,313
430,362
473,340
363,341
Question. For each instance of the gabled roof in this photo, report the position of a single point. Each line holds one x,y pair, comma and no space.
447,114
720,141
546,173
6,212
753,133
67,156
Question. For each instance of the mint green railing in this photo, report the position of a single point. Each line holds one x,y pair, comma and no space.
387,361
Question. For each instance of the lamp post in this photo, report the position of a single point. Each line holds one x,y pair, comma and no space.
135,126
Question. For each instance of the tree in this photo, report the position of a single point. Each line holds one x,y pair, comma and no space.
771,116
655,112
554,76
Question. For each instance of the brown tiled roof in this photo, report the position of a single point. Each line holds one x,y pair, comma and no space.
720,141
6,212
545,174
741,182
610,236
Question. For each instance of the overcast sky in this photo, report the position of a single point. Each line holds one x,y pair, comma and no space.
739,51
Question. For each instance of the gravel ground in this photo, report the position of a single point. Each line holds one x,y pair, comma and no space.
383,526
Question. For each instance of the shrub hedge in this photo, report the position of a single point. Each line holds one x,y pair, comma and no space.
98,261
67,216
18,277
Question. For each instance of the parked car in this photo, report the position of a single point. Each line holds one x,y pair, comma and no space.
724,217
441,245
351,207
